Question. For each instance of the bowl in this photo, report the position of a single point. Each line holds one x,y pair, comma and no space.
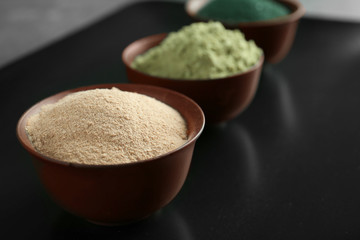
275,36
221,99
120,193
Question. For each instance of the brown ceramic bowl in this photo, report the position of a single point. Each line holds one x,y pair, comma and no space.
274,36
120,193
221,99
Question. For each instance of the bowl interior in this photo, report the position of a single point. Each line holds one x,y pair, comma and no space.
190,111
142,45
297,11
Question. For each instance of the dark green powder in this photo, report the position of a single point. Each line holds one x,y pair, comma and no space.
236,11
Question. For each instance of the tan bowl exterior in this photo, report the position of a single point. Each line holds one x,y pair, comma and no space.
121,193
221,99
275,36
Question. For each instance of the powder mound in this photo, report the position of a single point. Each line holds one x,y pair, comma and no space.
238,11
106,126
199,51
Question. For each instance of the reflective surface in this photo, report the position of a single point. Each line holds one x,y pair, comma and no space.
286,168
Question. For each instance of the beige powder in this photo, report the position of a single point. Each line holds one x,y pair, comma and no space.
106,126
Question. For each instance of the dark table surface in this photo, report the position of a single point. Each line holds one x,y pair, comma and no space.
287,168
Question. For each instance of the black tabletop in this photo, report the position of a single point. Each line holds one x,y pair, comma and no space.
286,168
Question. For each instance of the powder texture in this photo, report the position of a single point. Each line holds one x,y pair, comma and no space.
106,126
237,11
199,51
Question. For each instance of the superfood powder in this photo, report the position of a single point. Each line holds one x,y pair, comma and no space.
199,51
106,126
237,11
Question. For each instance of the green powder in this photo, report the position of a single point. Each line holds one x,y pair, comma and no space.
236,11
199,51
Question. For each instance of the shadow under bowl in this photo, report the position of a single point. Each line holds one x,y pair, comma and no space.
275,36
221,99
119,193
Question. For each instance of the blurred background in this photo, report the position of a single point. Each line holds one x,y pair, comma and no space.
28,25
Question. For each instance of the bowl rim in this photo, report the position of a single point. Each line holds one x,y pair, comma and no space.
297,11
26,143
160,37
